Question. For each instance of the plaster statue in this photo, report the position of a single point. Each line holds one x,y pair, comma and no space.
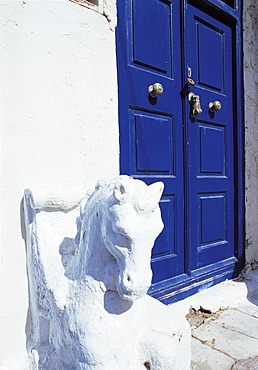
88,279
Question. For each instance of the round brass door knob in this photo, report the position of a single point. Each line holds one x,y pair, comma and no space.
215,106
155,90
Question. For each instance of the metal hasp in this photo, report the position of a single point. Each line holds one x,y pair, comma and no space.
196,105
155,90
215,106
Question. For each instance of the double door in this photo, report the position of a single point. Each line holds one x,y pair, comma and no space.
177,117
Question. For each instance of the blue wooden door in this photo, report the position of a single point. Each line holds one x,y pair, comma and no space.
187,49
210,139
151,128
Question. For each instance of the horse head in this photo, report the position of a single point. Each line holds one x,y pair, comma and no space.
132,223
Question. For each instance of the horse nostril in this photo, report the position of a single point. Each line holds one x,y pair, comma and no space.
128,278
147,365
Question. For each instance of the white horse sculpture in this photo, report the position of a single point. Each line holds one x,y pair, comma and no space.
92,311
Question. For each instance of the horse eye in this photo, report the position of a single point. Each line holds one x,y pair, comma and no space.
123,240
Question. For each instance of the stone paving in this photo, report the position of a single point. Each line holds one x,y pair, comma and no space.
224,324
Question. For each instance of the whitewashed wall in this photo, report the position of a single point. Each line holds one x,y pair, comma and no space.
250,17
59,127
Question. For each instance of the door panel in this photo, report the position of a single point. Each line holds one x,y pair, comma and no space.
212,143
165,255
210,42
210,137
150,131
151,139
152,29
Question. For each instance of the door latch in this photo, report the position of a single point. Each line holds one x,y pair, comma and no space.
196,104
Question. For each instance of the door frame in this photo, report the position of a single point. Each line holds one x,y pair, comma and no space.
179,287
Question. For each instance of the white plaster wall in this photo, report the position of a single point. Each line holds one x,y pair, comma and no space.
59,127
250,25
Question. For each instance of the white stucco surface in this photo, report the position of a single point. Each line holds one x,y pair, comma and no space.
250,36
58,124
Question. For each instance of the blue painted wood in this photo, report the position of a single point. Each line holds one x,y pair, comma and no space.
211,145
210,42
151,129
199,160
212,150
150,30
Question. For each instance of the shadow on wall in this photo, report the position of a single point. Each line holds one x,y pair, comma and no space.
22,221
251,281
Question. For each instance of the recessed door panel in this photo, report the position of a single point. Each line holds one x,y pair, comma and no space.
165,253
211,54
152,34
213,220
212,150
154,145
213,243
166,240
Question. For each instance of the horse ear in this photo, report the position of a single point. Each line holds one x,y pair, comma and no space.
100,184
157,188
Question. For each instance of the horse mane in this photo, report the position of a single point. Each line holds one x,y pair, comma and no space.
75,251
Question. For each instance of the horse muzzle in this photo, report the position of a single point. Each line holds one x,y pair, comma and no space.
131,288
